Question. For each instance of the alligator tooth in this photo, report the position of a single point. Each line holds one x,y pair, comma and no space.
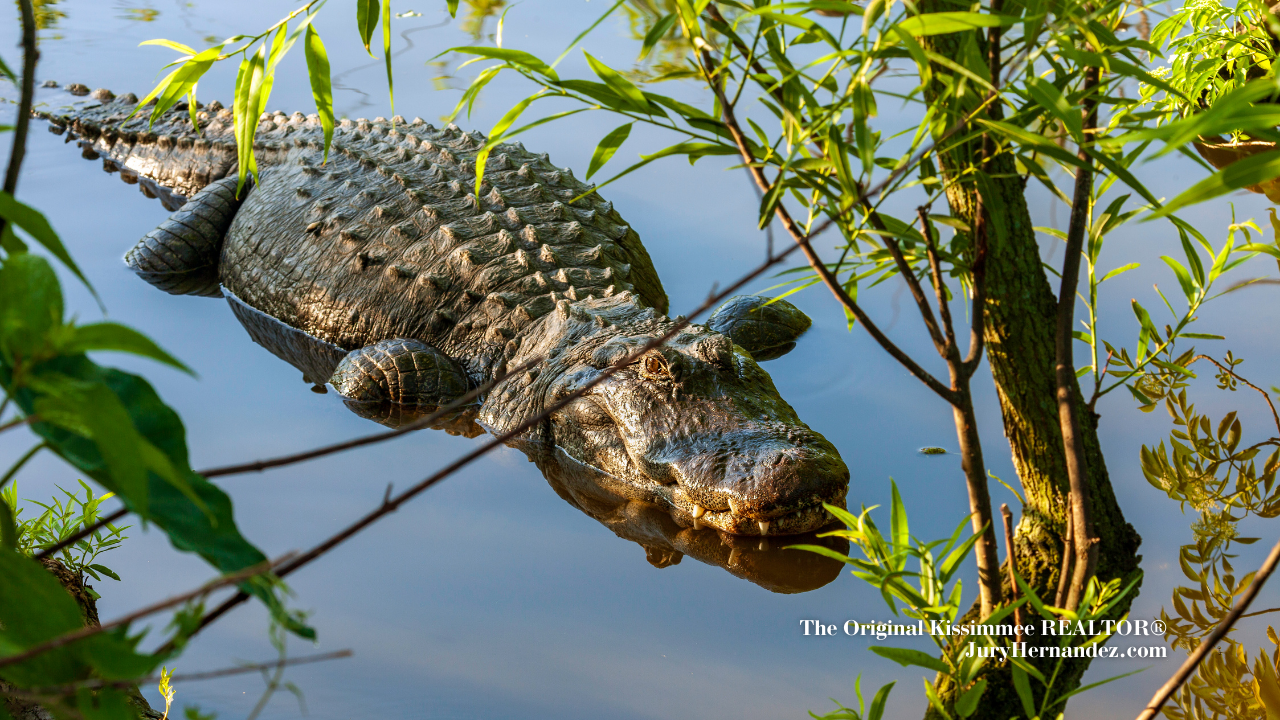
698,511
733,508
733,556
764,526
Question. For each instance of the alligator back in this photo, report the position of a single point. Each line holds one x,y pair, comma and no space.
388,239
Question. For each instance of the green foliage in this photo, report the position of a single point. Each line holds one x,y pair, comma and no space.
61,518
112,427
1205,468
1213,50
921,593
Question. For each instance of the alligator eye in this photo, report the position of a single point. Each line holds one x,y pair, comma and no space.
654,367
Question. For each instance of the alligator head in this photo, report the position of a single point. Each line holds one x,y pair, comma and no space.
694,424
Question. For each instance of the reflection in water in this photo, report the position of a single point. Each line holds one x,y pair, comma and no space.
615,504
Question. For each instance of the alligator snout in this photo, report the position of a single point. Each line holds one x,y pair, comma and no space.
755,481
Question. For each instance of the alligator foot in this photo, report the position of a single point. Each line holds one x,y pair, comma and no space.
181,255
765,329
405,372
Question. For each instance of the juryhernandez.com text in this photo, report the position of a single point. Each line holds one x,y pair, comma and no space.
1046,628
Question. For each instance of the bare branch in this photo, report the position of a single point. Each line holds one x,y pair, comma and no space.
42,694
1085,545
1265,395
418,424
89,631
23,122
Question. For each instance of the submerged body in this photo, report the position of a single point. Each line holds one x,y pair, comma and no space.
384,273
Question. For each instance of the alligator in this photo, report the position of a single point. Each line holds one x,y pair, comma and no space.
378,269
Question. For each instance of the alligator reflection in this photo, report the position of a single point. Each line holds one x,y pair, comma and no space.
764,561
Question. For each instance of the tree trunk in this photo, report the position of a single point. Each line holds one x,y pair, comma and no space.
1021,312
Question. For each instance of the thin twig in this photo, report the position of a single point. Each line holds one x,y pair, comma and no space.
1006,517
1265,395
23,122
391,504
39,694
21,461
1169,688
802,241
418,424
81,534
22,420
89,631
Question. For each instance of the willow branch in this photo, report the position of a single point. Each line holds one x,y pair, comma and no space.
802,241
939,286
1085,546
1265,395
1169,688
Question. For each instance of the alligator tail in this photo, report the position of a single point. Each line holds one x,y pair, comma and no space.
170,158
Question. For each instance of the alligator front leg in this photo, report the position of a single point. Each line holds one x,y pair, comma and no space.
405,372
181,255
763,328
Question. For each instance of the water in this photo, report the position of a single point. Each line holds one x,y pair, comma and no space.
490,595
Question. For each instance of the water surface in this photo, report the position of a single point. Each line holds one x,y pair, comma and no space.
491,595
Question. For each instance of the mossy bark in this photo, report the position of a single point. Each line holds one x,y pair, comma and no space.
1021,312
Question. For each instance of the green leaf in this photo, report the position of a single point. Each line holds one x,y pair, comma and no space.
35,225
386,49
367,21
625,89
1048,97
609,145
495,134
30,304
1252,170
516,58
321,85
876,712
8,528
967,703
208,527
1119,271
906,657
898,529
1022,685
940,23
169,44
1144,318
656,33
1184,277
105,571
180,83
240,107
111,336
932,693
453,8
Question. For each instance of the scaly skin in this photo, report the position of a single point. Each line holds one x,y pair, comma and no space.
387,239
